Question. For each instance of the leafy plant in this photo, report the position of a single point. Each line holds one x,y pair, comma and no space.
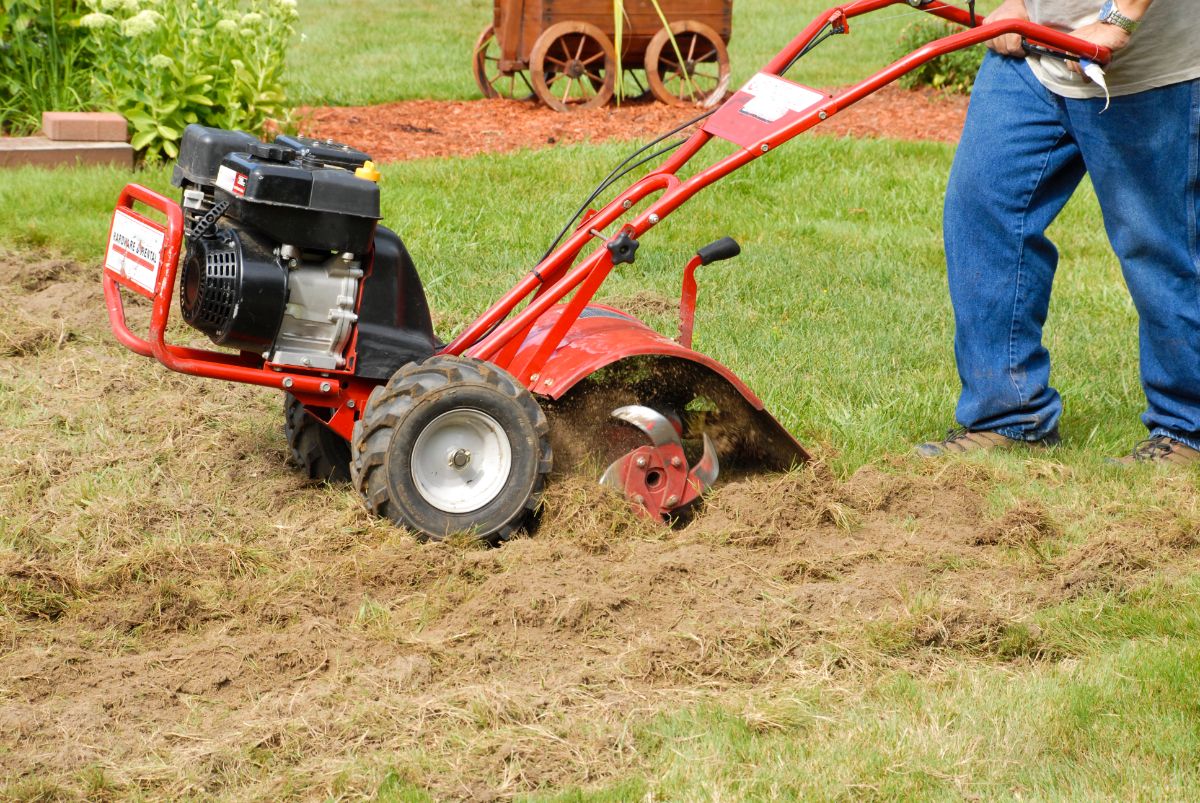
42,61
164,65
953,72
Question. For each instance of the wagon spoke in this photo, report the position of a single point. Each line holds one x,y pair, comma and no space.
553,60
691,49
590,59
579,50
567,91
712,52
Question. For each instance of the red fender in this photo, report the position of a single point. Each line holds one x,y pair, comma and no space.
603,336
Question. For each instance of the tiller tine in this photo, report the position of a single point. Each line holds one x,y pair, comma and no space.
655,478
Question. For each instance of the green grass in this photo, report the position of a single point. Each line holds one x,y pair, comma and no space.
373,51
1117,722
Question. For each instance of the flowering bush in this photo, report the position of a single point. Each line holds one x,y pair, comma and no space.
43,59
953,72
166,63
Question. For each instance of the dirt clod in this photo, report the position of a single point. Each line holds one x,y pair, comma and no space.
1026,524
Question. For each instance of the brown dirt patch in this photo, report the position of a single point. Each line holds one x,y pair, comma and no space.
182,615
418,129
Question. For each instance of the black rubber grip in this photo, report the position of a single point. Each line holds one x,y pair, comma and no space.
724,248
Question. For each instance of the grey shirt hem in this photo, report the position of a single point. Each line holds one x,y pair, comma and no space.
1086,89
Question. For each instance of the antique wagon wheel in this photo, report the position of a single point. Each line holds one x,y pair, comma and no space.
703,76
494,82
573,66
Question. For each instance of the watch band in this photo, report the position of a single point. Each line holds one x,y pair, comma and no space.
1111,15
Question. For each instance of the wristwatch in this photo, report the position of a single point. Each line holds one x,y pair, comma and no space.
1112,15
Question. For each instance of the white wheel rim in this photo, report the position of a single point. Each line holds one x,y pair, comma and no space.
461,461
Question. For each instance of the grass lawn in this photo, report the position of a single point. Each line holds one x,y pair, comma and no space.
844,329
422,48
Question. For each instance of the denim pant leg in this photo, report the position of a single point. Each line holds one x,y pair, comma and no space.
1015,168
1143,155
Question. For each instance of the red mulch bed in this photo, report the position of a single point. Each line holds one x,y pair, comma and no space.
417,129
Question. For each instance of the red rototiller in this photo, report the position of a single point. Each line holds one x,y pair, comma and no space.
287,268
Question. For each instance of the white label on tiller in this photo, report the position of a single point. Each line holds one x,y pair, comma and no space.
231,180
134,248
773,97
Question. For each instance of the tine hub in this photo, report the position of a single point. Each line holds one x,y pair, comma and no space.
655,478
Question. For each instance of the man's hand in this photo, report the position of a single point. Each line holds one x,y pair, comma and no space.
1010,43
1103,34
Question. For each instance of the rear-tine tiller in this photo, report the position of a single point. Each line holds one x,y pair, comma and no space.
286,265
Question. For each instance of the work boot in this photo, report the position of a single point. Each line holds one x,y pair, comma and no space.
961,440
1160,450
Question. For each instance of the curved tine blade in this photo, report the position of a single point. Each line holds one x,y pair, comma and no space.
707,469
611,478
656,426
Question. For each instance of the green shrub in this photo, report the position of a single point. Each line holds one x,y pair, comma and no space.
167,63
42,62
953,72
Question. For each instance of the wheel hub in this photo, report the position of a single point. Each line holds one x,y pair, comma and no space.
461,460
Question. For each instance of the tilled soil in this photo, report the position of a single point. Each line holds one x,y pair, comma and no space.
181,614
422,128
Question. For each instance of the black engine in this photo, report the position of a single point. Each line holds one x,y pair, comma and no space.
285,257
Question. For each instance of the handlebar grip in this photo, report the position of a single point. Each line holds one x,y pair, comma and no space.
722,249
1037,50
1050,39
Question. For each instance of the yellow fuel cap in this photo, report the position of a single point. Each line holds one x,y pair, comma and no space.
368,171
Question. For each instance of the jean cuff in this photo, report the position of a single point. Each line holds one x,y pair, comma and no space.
1021,435
1175,436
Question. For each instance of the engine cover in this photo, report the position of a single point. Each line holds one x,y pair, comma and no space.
295,190
233,289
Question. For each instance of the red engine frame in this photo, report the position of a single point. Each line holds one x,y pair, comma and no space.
547,346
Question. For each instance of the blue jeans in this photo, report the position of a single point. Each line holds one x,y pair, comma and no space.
1023,152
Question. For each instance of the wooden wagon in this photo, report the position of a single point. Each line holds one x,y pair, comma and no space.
563,51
